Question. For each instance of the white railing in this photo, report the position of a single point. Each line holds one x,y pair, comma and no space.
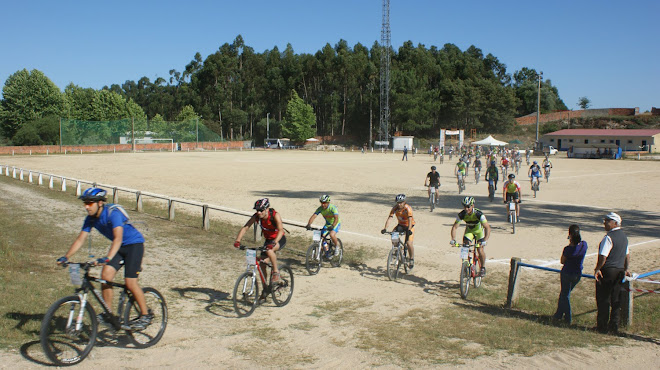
16,172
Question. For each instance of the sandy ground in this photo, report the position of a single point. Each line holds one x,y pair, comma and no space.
363,187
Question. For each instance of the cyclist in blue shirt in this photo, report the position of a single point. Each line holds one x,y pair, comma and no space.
127,245
535,172
331,215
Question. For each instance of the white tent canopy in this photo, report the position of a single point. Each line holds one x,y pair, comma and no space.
312,139
491,141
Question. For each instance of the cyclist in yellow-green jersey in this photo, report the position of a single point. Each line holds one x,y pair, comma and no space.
331,215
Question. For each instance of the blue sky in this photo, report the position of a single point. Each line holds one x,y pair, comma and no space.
605,50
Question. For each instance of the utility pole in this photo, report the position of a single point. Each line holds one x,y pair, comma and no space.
538,110
267,126
386,45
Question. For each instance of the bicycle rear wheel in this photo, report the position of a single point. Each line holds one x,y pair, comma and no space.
512,216
393,264
245,295
283,290
313,260
337,253
476,280
432,201
61,340
465,279
154,331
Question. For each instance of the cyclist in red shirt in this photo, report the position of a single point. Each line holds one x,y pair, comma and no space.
272,229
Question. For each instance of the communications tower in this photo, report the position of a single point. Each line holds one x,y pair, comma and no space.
386,45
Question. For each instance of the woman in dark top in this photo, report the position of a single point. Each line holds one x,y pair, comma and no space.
571,258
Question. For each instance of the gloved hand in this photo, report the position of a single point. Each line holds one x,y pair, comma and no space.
383,231
453,243
103,261
62,260
308,227
237,244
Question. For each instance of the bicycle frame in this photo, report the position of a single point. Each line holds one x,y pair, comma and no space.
399,252
87,286
256,266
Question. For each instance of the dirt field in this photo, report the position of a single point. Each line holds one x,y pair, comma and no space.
363,187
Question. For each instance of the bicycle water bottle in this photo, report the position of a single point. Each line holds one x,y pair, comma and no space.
74,272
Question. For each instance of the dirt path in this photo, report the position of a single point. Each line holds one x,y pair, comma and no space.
204,332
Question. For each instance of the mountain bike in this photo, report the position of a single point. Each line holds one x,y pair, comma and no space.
246,290
461,182
504,170
435,156
470,267
511,210
477,174
517,164
546,173
535,185
323,248
442,158
491,190
70,326
398,256
433,200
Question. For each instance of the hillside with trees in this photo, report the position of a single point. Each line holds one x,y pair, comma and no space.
235,88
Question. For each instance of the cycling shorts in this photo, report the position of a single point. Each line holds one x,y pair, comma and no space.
462,172
409,232
269,243
329,227
536,174
473,234
515,196
131,255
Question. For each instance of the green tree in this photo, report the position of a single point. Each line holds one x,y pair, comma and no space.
300,121
42,131
584,102
28,96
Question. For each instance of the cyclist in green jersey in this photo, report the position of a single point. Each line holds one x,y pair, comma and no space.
461,168
477,229
331,215
492,173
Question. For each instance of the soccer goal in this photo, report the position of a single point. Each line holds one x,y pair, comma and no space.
155,141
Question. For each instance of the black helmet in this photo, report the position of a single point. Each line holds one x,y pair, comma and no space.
93,195
512,176
261,204
433,168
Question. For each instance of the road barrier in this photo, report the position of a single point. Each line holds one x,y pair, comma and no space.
626,304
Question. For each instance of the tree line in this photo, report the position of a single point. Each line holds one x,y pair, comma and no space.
235,90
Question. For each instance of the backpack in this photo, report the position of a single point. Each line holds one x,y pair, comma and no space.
112,207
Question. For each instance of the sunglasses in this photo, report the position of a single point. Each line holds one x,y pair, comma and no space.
89,203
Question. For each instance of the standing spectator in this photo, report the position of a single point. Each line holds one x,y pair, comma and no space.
612,266
405,153
572,258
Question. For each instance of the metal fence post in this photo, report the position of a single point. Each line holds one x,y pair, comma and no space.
63,183
78,192
115,195
41,179
512,293
50,182
138,201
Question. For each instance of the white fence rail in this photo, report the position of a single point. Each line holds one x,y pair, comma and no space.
21,173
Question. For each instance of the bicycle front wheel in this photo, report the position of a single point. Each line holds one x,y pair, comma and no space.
283,290
65,340
432,201
465,279
393,264
337,254
152,334
245,295
313,260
